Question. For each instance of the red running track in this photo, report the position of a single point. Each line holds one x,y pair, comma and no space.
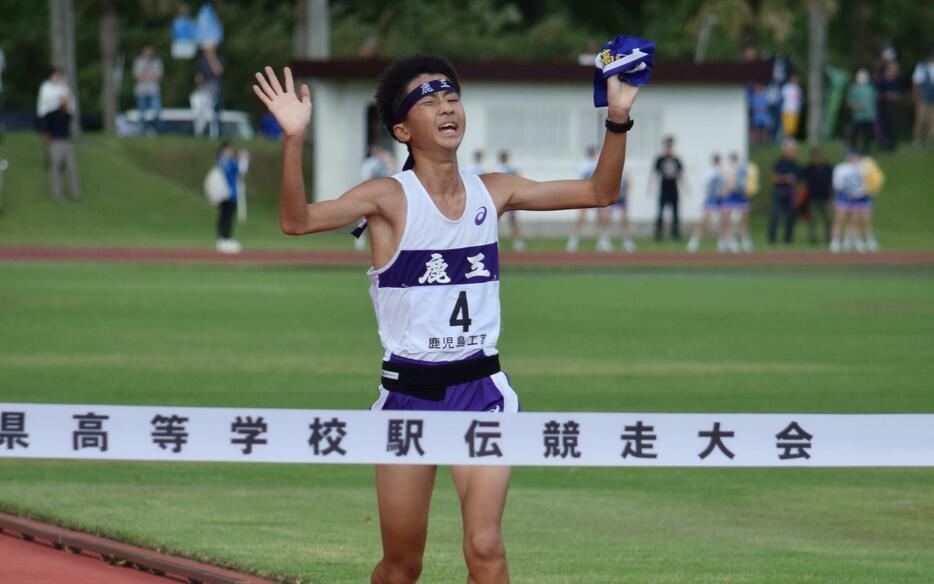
23,562
557,259
38,553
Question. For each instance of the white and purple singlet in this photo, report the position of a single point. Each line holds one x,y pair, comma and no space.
437,299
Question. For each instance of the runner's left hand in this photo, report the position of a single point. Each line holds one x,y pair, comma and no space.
620,96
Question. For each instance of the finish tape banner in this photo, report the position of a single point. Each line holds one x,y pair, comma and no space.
542,439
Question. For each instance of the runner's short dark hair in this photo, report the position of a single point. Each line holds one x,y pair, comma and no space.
391,89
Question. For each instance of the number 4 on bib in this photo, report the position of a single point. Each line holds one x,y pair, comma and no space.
461,314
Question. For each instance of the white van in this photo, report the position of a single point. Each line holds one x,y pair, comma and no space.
234,124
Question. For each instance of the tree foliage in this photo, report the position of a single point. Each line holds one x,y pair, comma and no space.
466,29
259,32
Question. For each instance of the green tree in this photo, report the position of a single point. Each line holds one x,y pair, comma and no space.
109,35
64,54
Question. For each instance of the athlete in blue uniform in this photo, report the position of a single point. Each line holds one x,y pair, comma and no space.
447,269
715,188
736,206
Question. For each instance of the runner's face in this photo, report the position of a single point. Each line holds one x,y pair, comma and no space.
437,118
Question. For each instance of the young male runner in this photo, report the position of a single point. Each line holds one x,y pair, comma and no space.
435,283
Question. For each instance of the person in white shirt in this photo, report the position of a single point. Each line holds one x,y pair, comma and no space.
202,107
791,106
147,71
52,93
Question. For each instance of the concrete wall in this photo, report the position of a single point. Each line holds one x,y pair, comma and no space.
338,119
546,128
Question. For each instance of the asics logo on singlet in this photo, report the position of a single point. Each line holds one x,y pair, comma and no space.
481,216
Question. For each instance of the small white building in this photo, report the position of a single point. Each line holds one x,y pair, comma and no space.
543,115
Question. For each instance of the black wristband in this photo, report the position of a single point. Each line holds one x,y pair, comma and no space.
618,128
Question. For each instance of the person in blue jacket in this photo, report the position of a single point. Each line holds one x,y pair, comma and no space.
227,162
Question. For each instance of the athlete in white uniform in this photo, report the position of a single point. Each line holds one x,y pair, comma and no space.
437,299
435,282
715,189
853,206
504,166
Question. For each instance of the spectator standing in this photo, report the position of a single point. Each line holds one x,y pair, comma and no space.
715,190
791,106
243,165
2,68
61,150
477,166
211,74
52,92
922,80
887,56
785,175
147,71
888,93
230,166
377,164
861,99
759,118
773,92
506,168
818,176
669,171
202,108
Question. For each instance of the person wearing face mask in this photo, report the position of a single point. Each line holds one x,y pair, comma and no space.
861,100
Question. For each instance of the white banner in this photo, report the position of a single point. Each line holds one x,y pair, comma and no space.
544,439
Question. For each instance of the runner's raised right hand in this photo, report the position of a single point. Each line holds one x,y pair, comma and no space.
292,114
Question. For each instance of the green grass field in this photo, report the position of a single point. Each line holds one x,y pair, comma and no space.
146,192
701,340
651,339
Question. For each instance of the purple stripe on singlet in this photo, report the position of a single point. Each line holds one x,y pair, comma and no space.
444,267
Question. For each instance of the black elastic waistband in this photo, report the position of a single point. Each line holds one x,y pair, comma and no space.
431,381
